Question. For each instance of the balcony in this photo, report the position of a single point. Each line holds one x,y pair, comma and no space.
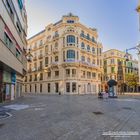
69,62
40,56
88,38
83,63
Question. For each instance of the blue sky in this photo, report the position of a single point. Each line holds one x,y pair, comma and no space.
115,20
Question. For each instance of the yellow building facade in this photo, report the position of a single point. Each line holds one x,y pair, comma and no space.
116,67
66,58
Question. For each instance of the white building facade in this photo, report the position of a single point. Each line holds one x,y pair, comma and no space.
66,58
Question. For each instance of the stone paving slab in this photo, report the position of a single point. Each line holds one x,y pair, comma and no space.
71,118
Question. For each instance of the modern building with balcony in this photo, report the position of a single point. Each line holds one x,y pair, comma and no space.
66,58
117,67
13,30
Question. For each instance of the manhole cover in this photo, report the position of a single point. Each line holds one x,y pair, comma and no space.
4,115
127,108
98,113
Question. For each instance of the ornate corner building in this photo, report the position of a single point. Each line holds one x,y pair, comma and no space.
13,30
66,58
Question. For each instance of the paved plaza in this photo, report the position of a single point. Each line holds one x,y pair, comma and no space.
70,117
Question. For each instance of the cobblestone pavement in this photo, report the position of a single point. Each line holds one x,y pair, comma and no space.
65,117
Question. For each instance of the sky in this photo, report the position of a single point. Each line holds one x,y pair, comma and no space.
115,20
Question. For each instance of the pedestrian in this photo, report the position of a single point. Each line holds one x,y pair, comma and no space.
59,93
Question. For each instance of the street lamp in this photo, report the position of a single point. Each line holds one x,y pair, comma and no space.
28,54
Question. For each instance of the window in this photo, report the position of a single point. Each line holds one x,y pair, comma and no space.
74,87
41,43
46,49
25,79
41,76
93,40
35,88
71,54
82,45
20,3
68,72
93,61
88,74
49,87
73,72
88,36
67,87
30,88
25,88
49,74
83,74
56,87
46,61
56,73
10,9
93,50
56,45
30,79
56,58
41,65
35,79
88,48
8,41
18,27
83,58
93,75
70,39
112,61
88,60
40,87
82,34
70,21
112,69
18,54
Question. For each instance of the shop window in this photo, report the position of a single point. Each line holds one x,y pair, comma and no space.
49,87
73,87
67,87
56,87
40,87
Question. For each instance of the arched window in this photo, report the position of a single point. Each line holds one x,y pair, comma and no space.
70,39
93,39
70,54
88,36
82,45
88,48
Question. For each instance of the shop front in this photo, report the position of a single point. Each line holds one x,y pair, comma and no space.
7,86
